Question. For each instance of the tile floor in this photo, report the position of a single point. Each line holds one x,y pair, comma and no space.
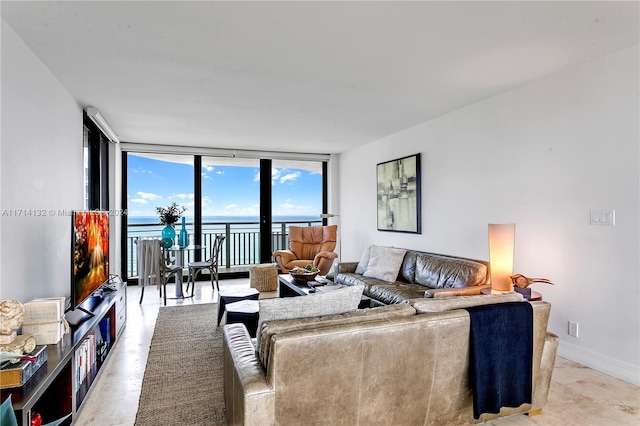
578,395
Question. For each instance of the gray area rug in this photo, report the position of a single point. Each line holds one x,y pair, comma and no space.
183,382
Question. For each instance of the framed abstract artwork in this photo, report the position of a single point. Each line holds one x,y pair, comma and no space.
398,192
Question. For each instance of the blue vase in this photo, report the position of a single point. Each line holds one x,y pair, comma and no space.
183,240
168,235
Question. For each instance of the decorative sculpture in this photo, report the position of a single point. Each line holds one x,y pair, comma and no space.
520,280
11,316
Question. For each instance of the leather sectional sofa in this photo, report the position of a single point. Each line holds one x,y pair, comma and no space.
421,274
403,364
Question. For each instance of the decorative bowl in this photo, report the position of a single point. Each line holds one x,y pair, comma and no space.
306,276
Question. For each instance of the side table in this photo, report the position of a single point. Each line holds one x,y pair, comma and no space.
534,295
245,312
226,297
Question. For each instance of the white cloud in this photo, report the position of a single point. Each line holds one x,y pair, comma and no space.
139,200
220,172
148,196
290,177
209,168
183,196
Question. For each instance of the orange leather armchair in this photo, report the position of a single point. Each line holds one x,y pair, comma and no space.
313,245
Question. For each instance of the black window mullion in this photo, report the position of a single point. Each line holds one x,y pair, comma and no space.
197,214
265,211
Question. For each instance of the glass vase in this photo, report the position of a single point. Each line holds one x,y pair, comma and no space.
168,235
183,240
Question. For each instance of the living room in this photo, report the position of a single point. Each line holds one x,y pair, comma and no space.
545,149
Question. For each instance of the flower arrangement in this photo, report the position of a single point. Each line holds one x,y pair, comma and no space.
170,215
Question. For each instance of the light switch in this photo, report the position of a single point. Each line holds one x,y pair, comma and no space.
603,217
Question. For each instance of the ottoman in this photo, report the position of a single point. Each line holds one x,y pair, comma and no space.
245,312
264,277
229,296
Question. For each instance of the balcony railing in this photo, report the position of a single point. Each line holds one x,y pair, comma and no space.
241,246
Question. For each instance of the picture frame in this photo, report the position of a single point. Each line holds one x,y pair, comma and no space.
398,186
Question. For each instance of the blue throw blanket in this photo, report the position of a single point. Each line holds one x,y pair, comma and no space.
501,358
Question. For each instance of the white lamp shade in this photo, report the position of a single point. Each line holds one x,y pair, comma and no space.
501,248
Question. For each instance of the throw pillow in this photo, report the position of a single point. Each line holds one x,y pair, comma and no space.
339,301
384,263
364,261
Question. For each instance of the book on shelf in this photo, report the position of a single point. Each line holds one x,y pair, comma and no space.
86,358
16,375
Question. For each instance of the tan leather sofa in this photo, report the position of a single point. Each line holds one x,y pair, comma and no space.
393,365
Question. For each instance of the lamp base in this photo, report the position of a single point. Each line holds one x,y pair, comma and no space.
492,291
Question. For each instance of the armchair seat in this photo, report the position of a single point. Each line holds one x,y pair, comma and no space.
309,245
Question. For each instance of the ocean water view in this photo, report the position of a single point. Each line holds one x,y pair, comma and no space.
243,234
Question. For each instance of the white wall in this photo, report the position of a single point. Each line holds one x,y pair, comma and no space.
541,156
42,170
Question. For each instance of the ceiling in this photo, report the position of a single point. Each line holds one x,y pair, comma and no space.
316,77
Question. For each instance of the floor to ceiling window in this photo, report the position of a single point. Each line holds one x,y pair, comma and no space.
296,197
157,180
223,195
230,206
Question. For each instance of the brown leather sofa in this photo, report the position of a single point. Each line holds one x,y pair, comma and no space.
421,274
393,365
309,245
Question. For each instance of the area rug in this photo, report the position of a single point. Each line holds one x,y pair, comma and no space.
183,382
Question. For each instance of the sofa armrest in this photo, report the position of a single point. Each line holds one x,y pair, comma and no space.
325,255
249,399
346,267
542,380
448,292
285,255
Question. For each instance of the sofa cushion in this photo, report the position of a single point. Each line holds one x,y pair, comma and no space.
384,263
339,301
273,328
460,302
440,271
397,292
408,268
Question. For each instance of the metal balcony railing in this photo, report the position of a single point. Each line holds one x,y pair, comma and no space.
241,246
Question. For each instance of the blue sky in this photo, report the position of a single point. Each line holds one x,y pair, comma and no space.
226,190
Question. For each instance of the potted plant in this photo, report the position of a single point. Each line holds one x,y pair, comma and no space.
169,216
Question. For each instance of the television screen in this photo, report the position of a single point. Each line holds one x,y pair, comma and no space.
90,251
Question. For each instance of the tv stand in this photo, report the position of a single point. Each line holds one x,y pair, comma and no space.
61,385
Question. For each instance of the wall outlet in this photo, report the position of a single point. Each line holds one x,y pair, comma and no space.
573,329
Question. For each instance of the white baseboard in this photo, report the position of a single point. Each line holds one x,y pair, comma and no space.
607,365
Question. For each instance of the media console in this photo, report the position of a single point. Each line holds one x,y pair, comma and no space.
73,365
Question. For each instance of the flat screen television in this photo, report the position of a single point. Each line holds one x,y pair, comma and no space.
90,254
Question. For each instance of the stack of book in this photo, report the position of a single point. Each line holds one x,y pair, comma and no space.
44,319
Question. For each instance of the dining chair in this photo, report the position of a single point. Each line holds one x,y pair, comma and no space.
211,264
152,267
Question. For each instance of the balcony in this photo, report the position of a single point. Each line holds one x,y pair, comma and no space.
241,246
